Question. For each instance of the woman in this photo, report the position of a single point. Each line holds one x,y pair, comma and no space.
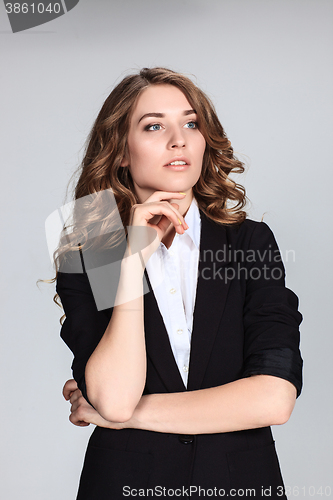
183,382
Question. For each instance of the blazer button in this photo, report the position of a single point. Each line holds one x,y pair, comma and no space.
186,438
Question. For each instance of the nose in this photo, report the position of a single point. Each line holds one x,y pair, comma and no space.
179,143
177,139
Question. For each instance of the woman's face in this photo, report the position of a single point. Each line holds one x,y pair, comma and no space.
163,129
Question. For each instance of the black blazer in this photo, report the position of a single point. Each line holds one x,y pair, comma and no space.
246,322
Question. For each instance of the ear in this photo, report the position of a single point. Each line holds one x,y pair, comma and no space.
125,161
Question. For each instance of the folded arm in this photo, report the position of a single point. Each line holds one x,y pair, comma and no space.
257,401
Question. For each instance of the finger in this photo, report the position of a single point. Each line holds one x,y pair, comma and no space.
163,224
165,195
74,407
75,396
151,209
148,211
184,221
161,197
69,387
80,402
171,213
180,217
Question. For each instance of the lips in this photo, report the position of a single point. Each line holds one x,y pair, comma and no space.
178,158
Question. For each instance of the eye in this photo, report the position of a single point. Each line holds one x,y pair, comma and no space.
153,127
192,124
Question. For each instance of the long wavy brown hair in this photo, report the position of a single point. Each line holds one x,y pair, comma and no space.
217,195
107,143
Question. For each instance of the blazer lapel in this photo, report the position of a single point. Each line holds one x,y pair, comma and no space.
158,344
212,290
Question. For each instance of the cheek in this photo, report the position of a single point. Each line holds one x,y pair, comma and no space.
203,145
199,144
141,161
201,148
141,151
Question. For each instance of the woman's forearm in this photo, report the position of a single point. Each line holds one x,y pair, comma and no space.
249,403
116,371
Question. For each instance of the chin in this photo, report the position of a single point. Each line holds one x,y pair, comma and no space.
177,186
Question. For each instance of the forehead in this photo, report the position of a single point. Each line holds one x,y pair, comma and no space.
161,98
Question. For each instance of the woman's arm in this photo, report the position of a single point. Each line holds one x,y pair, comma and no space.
249,403
115,373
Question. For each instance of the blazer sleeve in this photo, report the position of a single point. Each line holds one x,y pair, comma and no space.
271,317
84,325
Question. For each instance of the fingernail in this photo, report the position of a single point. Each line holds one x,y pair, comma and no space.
181,192
179,222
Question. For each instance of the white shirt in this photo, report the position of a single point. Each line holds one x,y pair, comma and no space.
173,274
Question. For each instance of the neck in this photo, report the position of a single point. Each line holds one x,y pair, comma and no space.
185,203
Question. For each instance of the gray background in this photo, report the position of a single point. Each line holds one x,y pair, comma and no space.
267,65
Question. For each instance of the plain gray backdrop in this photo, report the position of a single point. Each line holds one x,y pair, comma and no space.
267,66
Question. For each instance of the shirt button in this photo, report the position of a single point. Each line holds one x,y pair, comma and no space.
179,331
171,253
172,290
185,368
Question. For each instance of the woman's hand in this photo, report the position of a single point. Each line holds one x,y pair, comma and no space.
158,213
82,413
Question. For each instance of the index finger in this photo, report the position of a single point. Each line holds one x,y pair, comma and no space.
165,195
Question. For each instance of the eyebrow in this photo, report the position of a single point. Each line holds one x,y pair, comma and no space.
162,115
